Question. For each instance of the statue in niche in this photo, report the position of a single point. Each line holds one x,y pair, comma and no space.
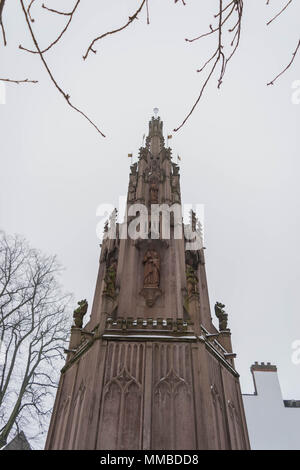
192,280
153,193
151,263
221,315
132,182
79,313
110,279
154,165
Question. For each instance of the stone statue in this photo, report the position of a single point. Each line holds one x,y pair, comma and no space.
131,191
152,269
221,315
133,169
79,313
110,279
192,280
175,169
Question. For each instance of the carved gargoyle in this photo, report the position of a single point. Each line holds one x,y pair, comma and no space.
79,313
221,315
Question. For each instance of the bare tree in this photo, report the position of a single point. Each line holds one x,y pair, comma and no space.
33,330
227,30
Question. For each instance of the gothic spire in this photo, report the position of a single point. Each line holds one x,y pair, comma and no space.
155,140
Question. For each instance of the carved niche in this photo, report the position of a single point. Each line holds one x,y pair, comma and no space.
132,182
151,290
153,193
192,281
175,187
110,279
151,263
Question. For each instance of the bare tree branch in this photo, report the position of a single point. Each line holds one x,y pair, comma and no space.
28,10
61,91
18,81
1,21
70,14
147,7
33,330
295,51
288,66
281,11
227,31
218,57
121,28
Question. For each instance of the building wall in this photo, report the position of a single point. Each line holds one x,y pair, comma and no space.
272,422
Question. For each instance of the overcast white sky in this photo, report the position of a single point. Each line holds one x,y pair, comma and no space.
239,150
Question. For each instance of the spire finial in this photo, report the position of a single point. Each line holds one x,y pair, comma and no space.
155,110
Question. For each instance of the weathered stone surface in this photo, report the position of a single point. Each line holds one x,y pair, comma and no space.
150,370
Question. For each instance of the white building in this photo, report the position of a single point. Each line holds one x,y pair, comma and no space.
273,423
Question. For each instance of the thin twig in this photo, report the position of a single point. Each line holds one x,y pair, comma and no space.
63,93
70,14
18,81
28,10
59,12
281,11
147,6
1,21
287,67
219,56
199,97
130,20
213,30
